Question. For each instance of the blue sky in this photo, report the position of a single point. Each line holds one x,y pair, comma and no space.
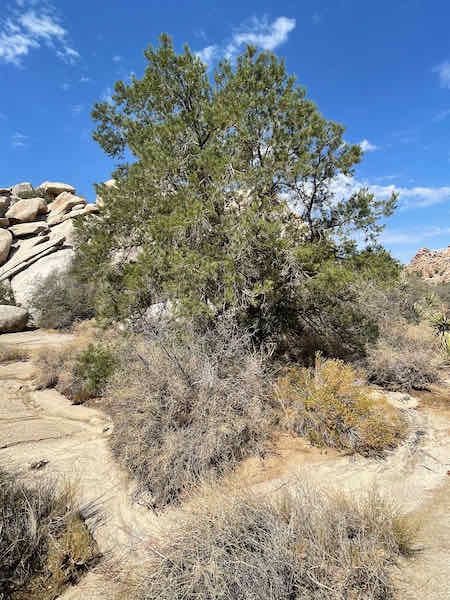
381,68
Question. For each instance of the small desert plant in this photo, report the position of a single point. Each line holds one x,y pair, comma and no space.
6,295
187,407
10,353
60,300
301,544
330,407
36,193
79,370
44,542
406,357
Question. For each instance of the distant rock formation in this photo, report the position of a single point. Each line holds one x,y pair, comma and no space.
432,265
36,234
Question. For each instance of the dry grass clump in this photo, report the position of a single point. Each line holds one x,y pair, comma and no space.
44,543
299,544
330,407
186,408
12,353
406,357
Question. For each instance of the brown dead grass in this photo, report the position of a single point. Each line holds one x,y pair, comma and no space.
300,543
331,408
406,357
13,353
185,410
44,543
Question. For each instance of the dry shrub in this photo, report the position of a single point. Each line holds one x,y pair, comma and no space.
300,544
10,353
406,357
330,407
44,543
185,408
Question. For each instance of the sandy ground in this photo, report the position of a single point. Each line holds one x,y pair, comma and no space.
43,425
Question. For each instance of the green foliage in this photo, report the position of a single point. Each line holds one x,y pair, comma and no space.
93,367
60,300
6,295
37,193
215,159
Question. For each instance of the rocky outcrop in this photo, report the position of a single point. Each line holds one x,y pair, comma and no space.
25,282
5,244
26,210
36,237
12,318
432,265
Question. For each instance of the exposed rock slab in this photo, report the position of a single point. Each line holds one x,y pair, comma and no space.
63,203
60,218
5,244
27,256
32,228
21,188
12,318
24,283
26,210
54,188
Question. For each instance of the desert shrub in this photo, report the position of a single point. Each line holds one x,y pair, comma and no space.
405,357
36,193
187,407
79,370
12,353
44,543
93,367
330,407
6,295
60,300
300,544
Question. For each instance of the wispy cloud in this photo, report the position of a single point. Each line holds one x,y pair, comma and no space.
117,58
76,109
19,140
207,54
85,79
412,235
367,146
257,32
443,71
28,26
409,197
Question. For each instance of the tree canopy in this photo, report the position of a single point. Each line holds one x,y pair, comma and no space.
226,203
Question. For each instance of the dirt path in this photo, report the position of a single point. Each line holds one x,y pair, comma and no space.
43,425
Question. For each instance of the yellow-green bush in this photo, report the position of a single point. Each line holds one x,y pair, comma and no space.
331,407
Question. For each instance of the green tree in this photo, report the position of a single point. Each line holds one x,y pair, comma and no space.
201,213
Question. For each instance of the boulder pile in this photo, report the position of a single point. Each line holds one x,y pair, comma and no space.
432,265
36,239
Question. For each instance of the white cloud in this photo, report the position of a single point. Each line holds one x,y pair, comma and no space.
27,28
76,109
207,54
85,79
443,71
117,58
257,32
367,146
412,236
19,140
409,197
262,34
